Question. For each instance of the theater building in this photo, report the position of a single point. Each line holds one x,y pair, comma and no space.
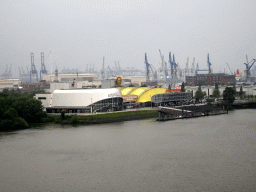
83,100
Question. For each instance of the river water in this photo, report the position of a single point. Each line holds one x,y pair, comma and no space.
215,153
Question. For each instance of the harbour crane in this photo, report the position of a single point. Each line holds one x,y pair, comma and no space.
229,68
248,67
175,66
163,66
193,66
209,64
171,64
43,69
33,68
103,70
150,68
20,74
186,69
110,72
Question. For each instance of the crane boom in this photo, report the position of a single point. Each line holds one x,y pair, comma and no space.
229,68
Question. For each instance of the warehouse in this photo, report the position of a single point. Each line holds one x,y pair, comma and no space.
85,100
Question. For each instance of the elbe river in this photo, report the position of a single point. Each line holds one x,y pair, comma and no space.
215,153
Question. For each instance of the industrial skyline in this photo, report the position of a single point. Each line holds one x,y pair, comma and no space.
74,34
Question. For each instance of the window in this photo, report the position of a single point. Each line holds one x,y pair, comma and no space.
41,97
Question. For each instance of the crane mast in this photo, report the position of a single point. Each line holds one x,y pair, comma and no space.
209,64
43,68
103,70
193,66
33,68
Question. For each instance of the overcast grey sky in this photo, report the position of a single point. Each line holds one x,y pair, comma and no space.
81,32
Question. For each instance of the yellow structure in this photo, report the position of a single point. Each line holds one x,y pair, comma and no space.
139,91
146,97
127,90
120,88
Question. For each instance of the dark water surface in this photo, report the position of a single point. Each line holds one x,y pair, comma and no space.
215,153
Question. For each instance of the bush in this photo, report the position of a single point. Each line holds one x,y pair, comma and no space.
74,119
209,101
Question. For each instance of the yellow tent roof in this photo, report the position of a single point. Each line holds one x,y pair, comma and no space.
146,97
127,90
138,91
120,88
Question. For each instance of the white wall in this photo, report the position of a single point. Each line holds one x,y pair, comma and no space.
82,98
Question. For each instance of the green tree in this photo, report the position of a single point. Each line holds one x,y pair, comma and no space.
199,93
30,109
11,121
216,93
182,87
216,86
229,95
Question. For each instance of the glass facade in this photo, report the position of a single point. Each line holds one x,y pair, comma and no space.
110,104
171,97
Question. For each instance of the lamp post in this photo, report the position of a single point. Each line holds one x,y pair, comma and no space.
91,104
151,100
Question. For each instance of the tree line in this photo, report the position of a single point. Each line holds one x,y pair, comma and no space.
18,110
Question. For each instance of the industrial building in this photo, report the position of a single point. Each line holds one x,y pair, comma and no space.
70,77
210,79
9,84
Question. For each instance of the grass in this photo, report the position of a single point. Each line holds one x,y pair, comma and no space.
118,114
78,118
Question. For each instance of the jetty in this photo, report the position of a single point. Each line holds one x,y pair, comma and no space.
170,113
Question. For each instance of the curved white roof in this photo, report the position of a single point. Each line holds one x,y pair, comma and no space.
82,97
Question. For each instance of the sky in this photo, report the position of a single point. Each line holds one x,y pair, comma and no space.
76,33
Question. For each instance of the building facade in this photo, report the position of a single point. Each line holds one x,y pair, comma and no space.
82,100
210,79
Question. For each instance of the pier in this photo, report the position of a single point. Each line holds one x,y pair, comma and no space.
169,113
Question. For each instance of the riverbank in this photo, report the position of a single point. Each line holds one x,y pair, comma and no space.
99,118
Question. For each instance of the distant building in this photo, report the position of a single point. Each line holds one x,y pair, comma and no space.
9,84
210,79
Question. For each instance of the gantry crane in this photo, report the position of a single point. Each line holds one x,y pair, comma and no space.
193,66
103,70
150,68
33,68
209,66
43,69
248,67
164,65
187,69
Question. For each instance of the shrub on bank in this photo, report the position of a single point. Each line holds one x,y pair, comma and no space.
12,121
74,119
